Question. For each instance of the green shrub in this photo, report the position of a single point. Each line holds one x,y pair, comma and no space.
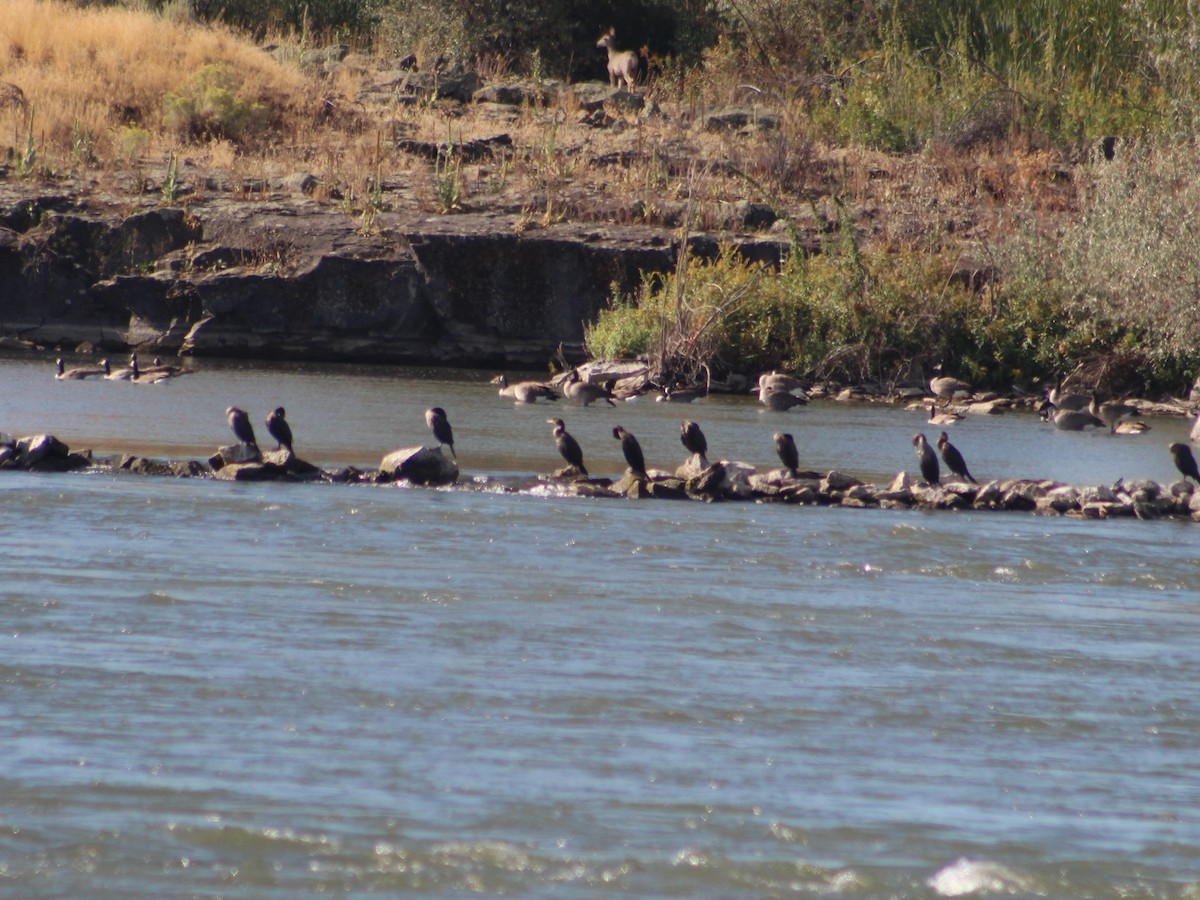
208,105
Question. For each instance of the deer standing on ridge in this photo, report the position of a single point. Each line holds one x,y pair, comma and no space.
622,64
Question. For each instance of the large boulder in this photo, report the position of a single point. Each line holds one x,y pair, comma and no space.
420,465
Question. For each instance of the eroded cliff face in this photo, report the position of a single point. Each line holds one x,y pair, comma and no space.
291,279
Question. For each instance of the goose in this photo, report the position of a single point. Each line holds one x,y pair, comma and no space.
777,400
927,459
1138,427
279,429
679,395
953,459
128,373
944,417
239,424
525,391
632,451
779,381
1185,462
945,387
77,374
694,442
785,446
1110,412
1072,401
439,424
1069,419
584,392
165,371
568,447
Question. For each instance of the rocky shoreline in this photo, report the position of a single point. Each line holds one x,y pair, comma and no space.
695,480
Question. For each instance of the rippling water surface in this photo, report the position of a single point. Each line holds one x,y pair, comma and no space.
268,690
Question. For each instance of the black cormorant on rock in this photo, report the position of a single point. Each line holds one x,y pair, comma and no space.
568,447
439,424
785,446
239,424
693,439
632,450
279,428
1185,462
953,459
927,459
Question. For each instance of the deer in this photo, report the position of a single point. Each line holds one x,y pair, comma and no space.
622,64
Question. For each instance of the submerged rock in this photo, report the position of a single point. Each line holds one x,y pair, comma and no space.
420,465
41,453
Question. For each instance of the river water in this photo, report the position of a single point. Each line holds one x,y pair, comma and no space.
274,690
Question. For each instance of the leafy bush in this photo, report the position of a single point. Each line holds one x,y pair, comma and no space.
209,106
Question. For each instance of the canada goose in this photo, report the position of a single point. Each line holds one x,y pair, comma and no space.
785,446
128,373
1184,461
953,459
779,381
279,428
1128,427
239,424
585,393
525,391
679,395
943,417
1072,401
632,450
1111,411
77,374
568,447
439,424
693,439
1068,419
944,387
165,371
777,400
927,459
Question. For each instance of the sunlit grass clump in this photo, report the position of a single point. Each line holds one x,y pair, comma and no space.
91,74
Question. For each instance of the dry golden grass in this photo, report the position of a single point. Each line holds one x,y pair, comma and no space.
88,72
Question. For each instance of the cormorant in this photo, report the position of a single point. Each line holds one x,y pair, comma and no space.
439,424
568,446
239,423
77,374
632,450
583,392
279,428
953,459
525,391
1185,462
692,438
930,470
785,446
